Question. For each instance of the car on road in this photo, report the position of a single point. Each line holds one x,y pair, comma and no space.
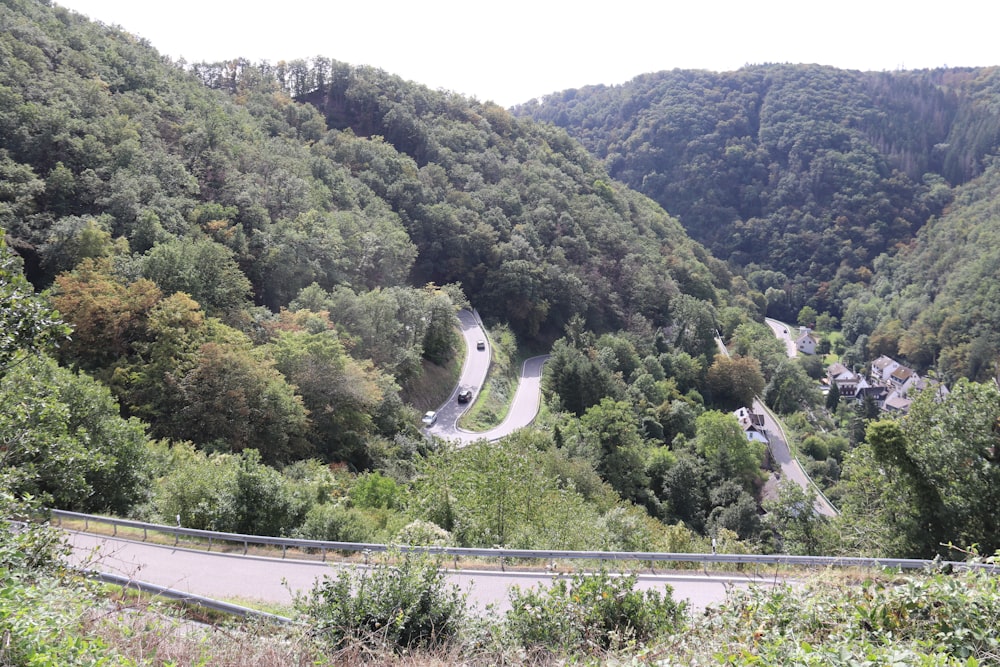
480,344
465,396
429,418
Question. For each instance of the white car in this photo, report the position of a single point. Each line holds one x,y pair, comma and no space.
429,418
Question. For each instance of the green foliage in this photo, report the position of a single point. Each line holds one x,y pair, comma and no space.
374,490
39,609
26,547
939,478
521,493
940,292
341,394
790,388
333,522
403,602
579,381
792,515
590,612
721,442
621,450
202,269
833,397
762,169
734,382
930,619
229,493
62,439
27,324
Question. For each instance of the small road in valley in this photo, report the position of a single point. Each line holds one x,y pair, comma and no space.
523,408
783,333
253,578
789,466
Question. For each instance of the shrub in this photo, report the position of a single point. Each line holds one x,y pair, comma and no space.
424,533
591,611
335,523
402,602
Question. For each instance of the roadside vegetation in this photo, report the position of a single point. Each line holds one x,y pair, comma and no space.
402,612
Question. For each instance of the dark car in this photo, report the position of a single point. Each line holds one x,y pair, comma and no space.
465,396
480,344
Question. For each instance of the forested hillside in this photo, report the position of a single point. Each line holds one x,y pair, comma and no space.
802,176
259,263
935,301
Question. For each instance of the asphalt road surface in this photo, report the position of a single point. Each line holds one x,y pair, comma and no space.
789,466
524,407
783,333
235,577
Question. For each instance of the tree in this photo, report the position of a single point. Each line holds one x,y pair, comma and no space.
753,339
234,400
693,325
735,382
579,381
109,316
482,494
941,474
720,440
790,388
684,492
794,517
340,393
62,439
833,397
620,446
807,317
28,325
201,268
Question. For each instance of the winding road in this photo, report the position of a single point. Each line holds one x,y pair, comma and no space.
783,333
523,408
228,576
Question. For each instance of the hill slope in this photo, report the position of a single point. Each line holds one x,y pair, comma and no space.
803,176
96,124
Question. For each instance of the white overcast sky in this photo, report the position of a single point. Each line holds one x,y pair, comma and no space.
513,50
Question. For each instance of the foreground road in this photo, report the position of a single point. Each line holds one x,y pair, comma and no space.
229,577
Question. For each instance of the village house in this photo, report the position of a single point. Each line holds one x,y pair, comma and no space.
806,342
845,379
753,425
890,384
882,368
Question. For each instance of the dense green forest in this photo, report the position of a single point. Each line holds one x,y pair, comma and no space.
226,289
803,177
258,264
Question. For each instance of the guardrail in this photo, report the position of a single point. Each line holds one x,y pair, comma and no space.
502,554
188,598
